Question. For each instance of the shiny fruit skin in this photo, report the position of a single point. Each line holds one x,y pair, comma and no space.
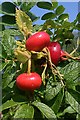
55,52
28,81
37,41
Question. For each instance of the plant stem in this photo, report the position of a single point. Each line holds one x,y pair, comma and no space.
29,66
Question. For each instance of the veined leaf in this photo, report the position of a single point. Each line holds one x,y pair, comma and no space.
72,101
2,50
8,75
24,111
7,80
8,43
24,22
71,72
75,94
46,111
70,68
69,109
3,65
77,81
55,107
60,9
52,91
9,104
11,32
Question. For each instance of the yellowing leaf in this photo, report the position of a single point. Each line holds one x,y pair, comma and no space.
22,56
38,55
24,22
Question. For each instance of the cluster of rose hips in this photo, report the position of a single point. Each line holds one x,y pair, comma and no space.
36,42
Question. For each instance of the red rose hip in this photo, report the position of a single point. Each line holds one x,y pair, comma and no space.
55,52
37,41
29,81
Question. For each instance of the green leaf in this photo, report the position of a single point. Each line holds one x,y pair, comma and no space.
49,15
63,17
46,111
7,80
71,72
51,92
48,24
78,16
9,104
54,5
11,85
71,100
66,25
8,43
7,8
36,28
32,16
8,75
24,111
2,52
7,20
11,32
68,35
44,5
77,81
26,6
60,9
24,22
3,65
78,26
57,104
16,95
75,94
78,117
2,27
69,110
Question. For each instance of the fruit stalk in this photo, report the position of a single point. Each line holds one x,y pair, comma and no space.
29,66
70,56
